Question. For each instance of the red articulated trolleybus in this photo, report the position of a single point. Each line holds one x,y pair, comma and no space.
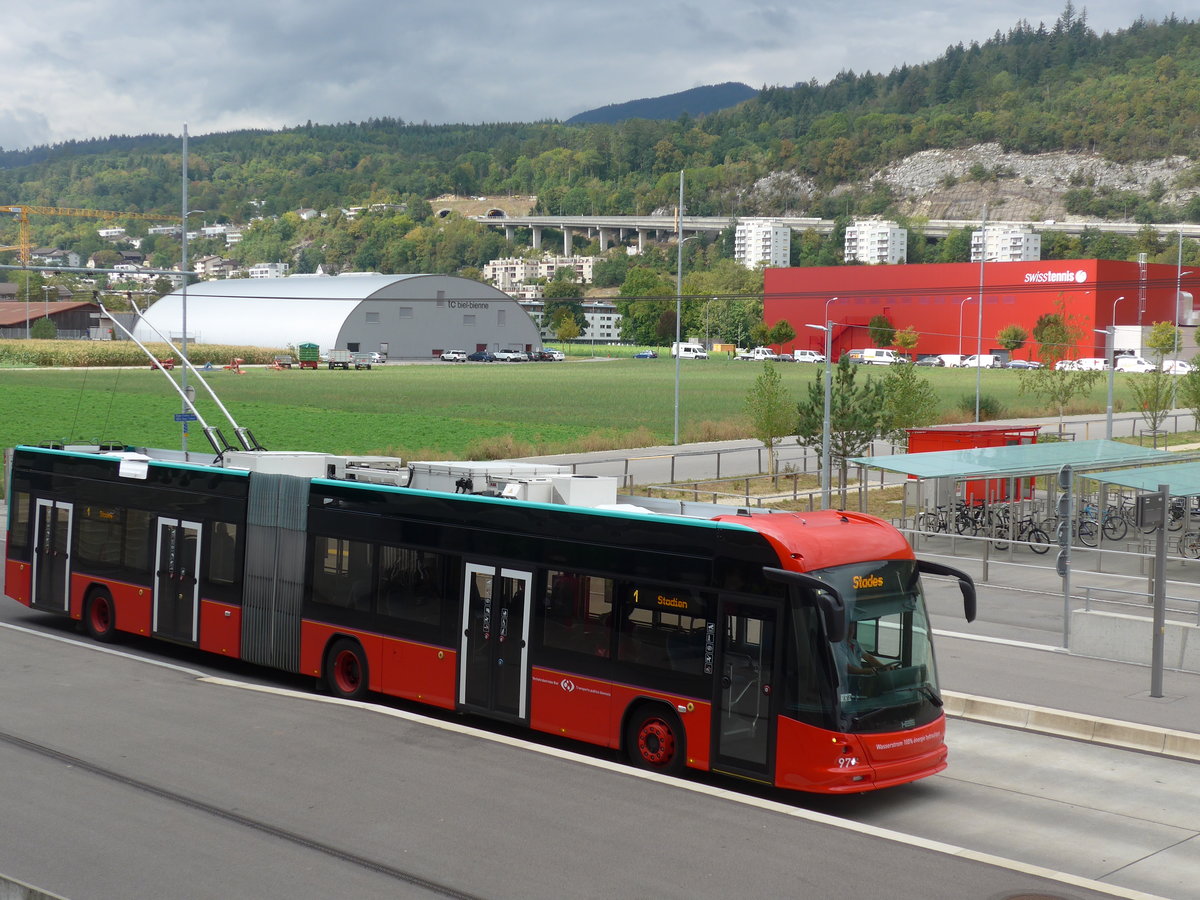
792,649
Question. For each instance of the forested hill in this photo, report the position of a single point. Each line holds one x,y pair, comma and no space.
698,101
1129,95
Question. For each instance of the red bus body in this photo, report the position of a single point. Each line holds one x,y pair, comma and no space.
653,633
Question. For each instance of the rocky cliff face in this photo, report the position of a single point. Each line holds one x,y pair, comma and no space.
955,184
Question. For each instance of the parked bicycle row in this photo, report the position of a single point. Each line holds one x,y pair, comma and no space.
1025,523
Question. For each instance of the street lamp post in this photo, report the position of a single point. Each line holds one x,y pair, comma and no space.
965,301
1112,365
46,289
183,271
678,297
1179,273
826,490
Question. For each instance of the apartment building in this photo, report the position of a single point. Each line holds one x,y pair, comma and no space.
1006,243
876,242
603,320
762,242
511,275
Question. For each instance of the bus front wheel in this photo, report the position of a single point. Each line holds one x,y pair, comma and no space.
346,670
100,617
654,740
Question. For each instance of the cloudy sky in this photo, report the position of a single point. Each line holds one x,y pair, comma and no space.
91,68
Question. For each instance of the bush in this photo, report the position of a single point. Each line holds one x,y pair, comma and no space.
989,407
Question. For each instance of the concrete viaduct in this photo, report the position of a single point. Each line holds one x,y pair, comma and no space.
616,229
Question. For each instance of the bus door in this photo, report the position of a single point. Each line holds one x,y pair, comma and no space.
745,702
176,585
52,556
494,657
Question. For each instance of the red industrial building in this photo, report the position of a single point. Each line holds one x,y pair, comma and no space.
941,301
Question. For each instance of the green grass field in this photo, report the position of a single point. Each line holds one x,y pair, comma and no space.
447,410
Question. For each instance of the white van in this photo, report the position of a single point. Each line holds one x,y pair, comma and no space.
688,351
877,356
1134,364
811,356
984,360
951,360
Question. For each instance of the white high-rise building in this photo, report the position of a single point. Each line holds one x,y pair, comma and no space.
1005,243
764,242
875,242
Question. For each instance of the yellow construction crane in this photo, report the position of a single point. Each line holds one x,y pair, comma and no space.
23,213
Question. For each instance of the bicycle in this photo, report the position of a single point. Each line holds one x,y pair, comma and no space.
1028,530
1189,544
1114,525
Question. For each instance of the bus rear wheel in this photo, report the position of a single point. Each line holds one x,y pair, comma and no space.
654,740
100,617
346,670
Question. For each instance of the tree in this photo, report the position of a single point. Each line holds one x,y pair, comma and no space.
1189,389
909,402
855,416
771,411
1012,338
566,329
907,339
1163,341
1154,392
1056,334
882,331
781,333
43,329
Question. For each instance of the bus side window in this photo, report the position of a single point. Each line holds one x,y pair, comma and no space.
342,573
664,628
412,584
139,539
222,552
18,528
804,668
576,613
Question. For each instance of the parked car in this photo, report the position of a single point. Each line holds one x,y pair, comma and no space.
509,356
551,355
1134,364
481,356
1023,364
930,361
454,355
809,356
785,357
646,354
1176,367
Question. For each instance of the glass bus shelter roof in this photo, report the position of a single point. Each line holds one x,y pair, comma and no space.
1017,459
1183,478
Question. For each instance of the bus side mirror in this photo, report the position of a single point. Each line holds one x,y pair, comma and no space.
965,583
824,597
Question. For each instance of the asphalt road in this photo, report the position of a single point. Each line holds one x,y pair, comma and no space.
126,779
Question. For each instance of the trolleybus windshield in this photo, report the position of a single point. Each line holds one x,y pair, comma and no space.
886,677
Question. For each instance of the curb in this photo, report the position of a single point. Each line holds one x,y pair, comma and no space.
1109,732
